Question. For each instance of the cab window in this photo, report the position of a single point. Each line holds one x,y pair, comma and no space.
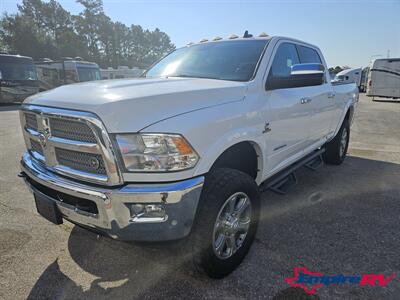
308,55
285,57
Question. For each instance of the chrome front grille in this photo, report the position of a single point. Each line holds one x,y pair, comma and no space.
71,130
35,146
71,143
86,162
31,121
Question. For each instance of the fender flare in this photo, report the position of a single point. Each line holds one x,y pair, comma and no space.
349,107
230,139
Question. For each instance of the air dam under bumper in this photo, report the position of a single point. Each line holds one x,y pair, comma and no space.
112,213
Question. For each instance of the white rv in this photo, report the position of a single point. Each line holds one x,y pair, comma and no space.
364,80
348,76
121,72
52,74
384,78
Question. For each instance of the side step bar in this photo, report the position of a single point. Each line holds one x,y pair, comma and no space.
314,164
285,179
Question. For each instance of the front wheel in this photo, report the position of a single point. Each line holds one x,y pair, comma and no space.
226,222
336,149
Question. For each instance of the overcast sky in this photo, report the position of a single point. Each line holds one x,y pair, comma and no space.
348,32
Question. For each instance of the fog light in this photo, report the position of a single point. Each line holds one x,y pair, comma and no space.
137,209
142,213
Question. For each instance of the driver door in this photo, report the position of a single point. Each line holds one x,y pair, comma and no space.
288,116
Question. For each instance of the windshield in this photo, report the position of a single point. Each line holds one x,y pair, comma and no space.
88,73
17,71
228,60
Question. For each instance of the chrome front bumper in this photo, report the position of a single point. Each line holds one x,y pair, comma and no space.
114,216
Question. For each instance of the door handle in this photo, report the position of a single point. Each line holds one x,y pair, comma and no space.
305,100
331,95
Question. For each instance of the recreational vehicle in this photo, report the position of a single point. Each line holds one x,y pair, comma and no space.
18,78
364,80
384,78
52,74
348,76
120,72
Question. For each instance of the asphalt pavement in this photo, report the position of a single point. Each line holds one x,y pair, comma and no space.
337,220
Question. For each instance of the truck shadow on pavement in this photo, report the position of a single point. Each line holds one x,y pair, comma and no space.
341,228
122,270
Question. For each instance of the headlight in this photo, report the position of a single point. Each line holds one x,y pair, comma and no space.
155,152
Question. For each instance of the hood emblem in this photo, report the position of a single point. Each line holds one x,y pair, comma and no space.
94,163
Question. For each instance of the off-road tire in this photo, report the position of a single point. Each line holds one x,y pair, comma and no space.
219,185
333,154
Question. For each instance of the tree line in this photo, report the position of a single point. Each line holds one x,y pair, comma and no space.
44,29
337,69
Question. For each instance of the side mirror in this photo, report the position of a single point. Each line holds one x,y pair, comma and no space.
300,75
308,74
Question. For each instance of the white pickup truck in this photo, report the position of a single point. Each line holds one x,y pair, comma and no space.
184,151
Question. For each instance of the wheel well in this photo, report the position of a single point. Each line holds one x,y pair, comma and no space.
349,114
241,156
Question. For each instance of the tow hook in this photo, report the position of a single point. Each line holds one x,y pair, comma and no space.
21,175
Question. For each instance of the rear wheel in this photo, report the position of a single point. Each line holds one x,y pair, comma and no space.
336,150
226,222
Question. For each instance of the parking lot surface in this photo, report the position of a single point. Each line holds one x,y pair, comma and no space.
337,220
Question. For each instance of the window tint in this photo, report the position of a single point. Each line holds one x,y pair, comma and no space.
308,55
285,57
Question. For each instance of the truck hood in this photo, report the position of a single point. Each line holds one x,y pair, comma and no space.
129,105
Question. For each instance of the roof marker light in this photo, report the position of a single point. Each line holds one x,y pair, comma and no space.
203,40
217,38
247,34
233,36
263,34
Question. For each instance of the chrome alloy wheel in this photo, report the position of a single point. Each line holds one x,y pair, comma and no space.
343,142
232,225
